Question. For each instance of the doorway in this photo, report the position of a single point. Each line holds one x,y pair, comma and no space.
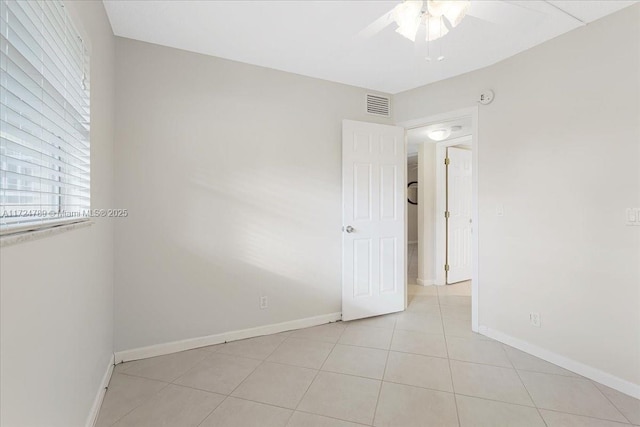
442,150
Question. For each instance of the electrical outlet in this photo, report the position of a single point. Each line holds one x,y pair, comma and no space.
633,216
264,302
534,318
500,209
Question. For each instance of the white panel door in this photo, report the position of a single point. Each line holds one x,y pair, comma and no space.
459,206
373,213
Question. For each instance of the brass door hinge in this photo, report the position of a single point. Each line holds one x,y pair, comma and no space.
446,267
447,214
446,161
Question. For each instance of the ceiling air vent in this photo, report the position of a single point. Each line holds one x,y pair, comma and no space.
378,105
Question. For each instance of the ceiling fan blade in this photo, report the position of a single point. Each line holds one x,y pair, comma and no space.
506,13
375,27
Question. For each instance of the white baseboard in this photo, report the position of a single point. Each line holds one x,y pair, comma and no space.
97,402
189,344
427,282
587,371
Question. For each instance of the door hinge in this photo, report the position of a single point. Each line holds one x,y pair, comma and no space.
446,161
446,267
447,214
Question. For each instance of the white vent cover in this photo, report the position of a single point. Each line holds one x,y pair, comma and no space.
378,105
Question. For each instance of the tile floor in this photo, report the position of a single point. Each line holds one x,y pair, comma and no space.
422,367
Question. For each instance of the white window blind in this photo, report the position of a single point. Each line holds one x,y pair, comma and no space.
44,117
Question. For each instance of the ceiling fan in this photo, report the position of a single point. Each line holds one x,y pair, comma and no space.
439,17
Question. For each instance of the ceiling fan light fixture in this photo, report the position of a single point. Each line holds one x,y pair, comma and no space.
408,16
439,134
453,10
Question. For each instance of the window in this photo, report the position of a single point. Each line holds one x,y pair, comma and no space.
44,117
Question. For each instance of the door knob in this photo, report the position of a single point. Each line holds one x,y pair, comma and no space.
349,229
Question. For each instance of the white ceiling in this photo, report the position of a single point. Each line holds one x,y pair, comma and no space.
345,41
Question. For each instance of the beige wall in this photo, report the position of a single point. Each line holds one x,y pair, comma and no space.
427,213
232,177
57,292
559,148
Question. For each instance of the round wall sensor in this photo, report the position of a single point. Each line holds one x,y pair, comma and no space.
486,97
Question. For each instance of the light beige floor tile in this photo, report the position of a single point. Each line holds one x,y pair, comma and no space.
242,413
276,384
422,290
168,367
461,328
330,332
560,419
629,406
220,373
417,370
489,382
120,368
212,348
572,395
452,312
173,406
428,323
406,406
460,289
364,336
360,361
255,348
419,343
478,351
527,362
342,396
124,394
474,412
386,322
303,419
301,352
426,304
455,300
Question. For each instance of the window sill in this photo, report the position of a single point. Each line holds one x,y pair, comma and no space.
26,236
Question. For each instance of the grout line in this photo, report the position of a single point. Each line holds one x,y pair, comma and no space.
587,416
523,385
610,401
384,373
137,406
241,382
446,346
316,375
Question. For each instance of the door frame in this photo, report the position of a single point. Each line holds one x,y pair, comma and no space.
475,256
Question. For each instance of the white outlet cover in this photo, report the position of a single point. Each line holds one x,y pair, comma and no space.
534,318
633,216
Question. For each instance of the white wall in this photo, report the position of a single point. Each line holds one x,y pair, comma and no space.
559,148
412,210
57,292
232,177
